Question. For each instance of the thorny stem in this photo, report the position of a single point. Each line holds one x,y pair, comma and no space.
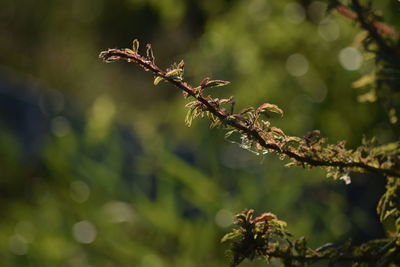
251,132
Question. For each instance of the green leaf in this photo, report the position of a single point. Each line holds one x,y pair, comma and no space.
181,65
230,133
368,97
388,213
158,79
189,117
185,94
246,110
271,108
231,236
150,54
135,45
364,81
175,74
130,51
213,83
215,123
278,131
291,164
293,139
204,82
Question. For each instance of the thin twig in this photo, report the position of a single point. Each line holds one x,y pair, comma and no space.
116,54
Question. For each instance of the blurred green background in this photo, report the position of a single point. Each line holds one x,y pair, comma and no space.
97,167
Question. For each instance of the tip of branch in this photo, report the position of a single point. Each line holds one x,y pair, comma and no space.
103,54
112,54
107,55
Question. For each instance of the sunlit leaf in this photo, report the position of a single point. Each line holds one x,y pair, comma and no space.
293,139
269,107
189,117
229,133
149,53
130,51
246,110
172,72
215,123
278,131
185,94
135,45
181,65
204,82
231,236
157,80
363,81
213,83
367,97
175,74
193,103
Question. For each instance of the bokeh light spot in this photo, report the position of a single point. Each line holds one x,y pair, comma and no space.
51,102
223,218
340,225
297,65
117,211
151,260
60,126
329,30
350,58
259,10
294,13
18,244
26,229
101,115
79,191
84,232
317,11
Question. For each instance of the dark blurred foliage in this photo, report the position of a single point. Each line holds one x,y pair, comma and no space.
97,167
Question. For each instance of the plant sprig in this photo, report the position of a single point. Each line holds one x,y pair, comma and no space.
257,134
266,236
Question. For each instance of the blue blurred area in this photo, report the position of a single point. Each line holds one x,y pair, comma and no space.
21,114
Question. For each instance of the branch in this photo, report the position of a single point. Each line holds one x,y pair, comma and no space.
374,27
266,236
381,39
307,151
